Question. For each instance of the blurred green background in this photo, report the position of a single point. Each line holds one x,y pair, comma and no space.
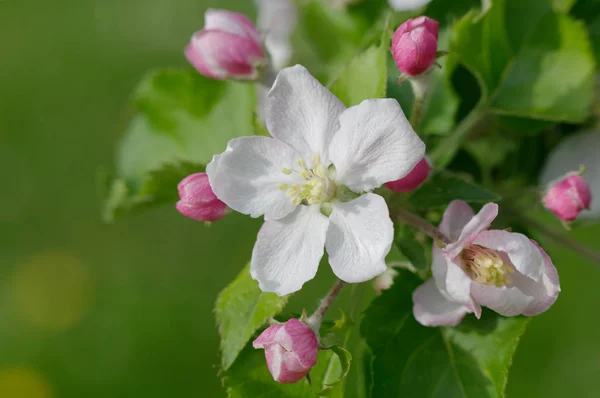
125,310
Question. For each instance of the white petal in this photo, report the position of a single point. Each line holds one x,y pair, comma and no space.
474,227
431,308
457,215
407,5
507,301
452,281
374,145
359,237
287,251
569,155
535,285
302,113
247,174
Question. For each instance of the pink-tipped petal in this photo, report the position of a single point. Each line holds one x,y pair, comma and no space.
223,55
431,308
268,336
457,215
478,224
231,22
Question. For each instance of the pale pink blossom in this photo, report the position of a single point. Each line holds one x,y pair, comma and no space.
229,47
501,270
312,181
197,199
414,46
568,196
291,350
385,280
413,180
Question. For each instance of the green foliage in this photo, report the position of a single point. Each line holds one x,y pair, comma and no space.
519,62
408,245
364,78
181,119
411,360
241,309
330,380
444,187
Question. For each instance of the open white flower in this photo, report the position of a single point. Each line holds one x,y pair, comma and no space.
306,181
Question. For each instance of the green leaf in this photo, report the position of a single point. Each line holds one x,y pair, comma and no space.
364,78
530,61
414,251
411,360
241,309
250,377
444,187
180,119
159,187
336,369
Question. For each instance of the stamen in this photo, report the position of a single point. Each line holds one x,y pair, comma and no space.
486,266
317,188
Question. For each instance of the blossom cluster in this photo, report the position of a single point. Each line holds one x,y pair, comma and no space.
313,181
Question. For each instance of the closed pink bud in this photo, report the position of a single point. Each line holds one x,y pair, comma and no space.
229,46
198,201
568,196
414,45
291,350
413,180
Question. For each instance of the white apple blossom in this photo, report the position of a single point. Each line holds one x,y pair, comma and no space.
312,180
407,5
501,270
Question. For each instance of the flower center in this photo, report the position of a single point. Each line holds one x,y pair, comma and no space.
486,266
318,186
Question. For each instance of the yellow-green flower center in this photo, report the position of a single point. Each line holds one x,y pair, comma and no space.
486,266
318,186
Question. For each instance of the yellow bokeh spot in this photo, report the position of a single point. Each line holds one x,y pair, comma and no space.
51,291
23,383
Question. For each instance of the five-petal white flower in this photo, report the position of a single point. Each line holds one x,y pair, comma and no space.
302,178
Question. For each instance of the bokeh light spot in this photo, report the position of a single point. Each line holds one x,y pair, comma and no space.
51,291
23,383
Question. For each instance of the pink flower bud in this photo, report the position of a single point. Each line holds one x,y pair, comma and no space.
291,350
229,46
198,201
412,180
568,196
414,45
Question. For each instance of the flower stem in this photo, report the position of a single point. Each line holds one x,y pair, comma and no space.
447,147
422,224
420,85
314,321
558,237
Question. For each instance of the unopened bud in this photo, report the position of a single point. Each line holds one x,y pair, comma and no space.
414,46
198,201
568,196
229,47
291,350
413,180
